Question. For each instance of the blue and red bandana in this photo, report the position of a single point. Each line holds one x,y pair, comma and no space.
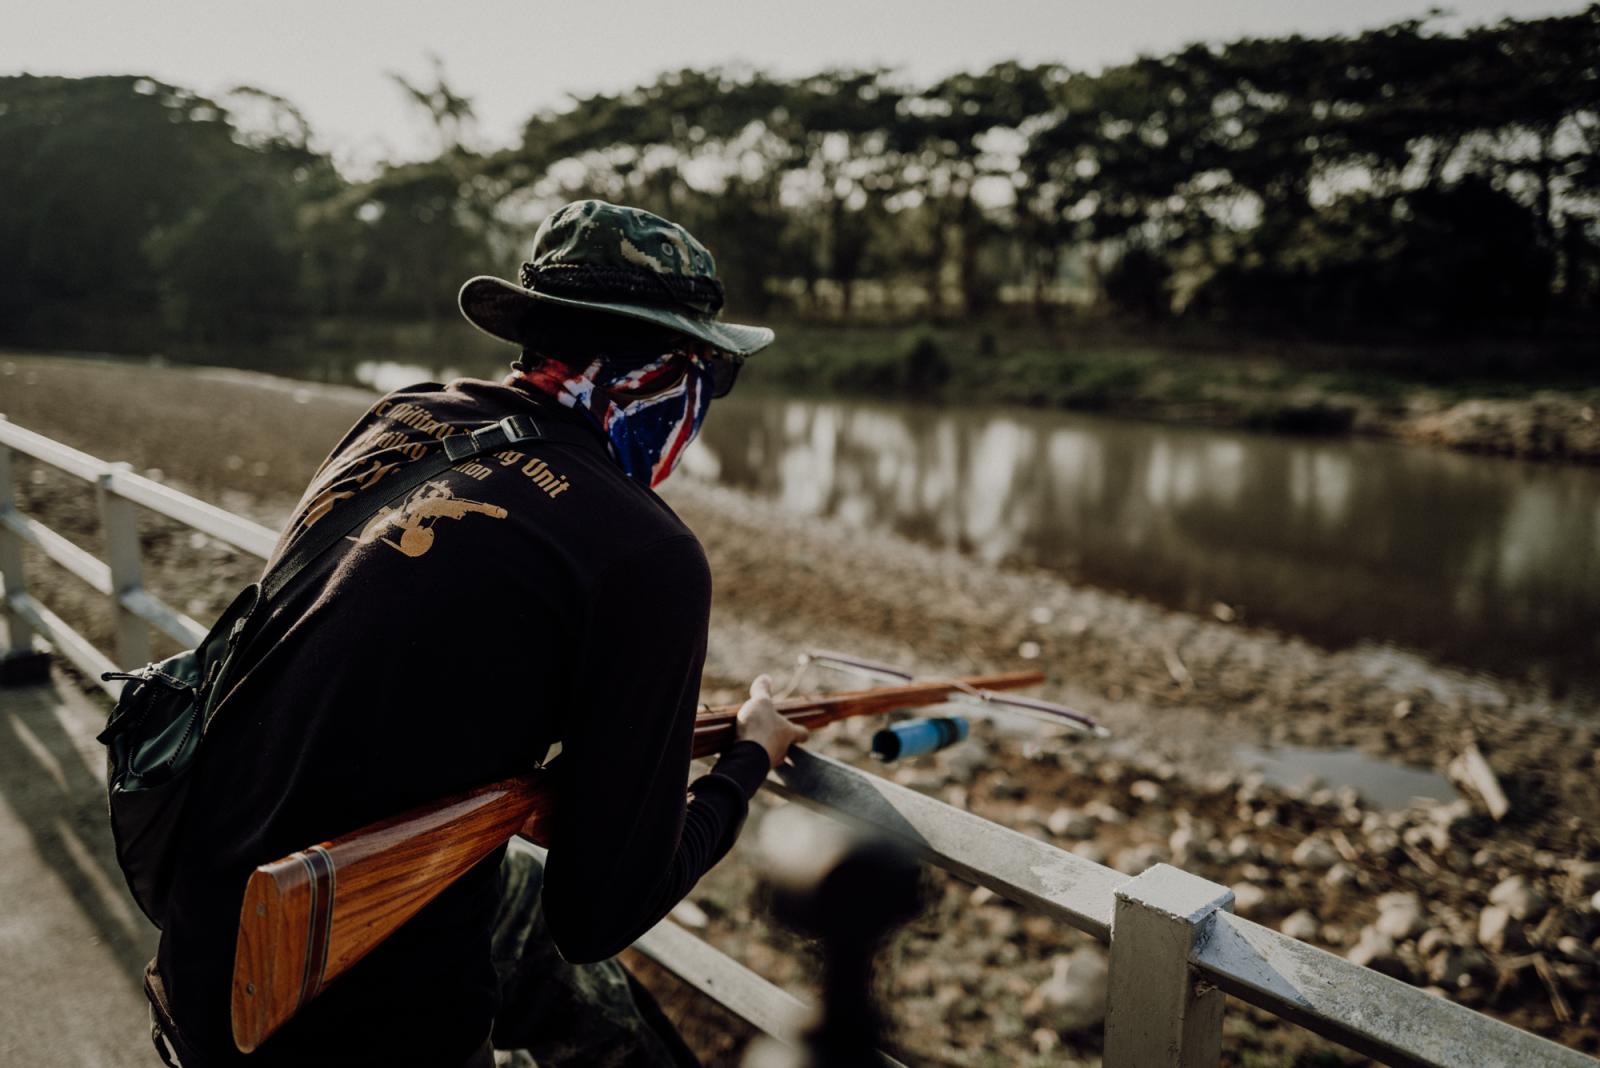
649,413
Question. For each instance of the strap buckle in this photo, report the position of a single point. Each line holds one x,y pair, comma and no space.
508,431
520,428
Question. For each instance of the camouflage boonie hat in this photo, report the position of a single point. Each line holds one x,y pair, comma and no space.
608,258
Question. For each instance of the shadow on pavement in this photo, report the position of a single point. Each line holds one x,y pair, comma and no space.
59,798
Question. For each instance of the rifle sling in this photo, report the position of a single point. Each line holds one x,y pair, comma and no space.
354,512
351,514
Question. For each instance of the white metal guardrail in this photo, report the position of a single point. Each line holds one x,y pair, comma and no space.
1176,946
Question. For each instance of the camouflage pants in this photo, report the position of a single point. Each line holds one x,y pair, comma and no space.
555,1014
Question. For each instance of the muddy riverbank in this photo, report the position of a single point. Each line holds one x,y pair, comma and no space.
1500,915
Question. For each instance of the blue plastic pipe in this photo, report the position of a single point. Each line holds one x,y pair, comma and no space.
918,737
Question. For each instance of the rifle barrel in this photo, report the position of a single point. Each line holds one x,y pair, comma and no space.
715,729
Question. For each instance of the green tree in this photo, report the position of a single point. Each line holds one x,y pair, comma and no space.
114,185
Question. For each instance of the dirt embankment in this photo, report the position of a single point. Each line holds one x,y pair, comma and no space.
1558,426
1500,915
1545,426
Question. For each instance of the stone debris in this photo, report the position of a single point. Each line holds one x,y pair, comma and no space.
964,763
1376,950
1145,790
1137,859
1497,931
1471,769
1574,950
1456,967
1583,877
1248,898
1518,897
690,915
1341,875
1074,997
1070,823
1243,848
1101,812
1090,851
1314,854
1400,915
1433,941
1188,846
1301,924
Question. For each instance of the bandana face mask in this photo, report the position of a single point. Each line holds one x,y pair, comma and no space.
648,413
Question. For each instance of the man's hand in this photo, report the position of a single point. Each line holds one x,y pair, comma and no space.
758,721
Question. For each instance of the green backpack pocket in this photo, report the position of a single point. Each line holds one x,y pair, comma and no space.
152,741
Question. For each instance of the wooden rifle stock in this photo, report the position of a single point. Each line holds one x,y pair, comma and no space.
307,918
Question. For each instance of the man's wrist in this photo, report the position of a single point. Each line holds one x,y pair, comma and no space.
746,763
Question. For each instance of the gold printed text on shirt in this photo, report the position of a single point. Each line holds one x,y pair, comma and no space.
414,520
324,502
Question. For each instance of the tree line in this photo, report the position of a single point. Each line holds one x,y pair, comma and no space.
1404,178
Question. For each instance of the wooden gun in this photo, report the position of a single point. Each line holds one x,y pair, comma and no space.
308,917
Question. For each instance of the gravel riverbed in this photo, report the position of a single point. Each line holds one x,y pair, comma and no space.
1500,915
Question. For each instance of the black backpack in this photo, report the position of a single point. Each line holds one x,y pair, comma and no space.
154,734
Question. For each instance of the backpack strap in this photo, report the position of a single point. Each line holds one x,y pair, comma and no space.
354,512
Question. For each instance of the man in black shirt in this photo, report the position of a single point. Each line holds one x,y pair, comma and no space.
536,596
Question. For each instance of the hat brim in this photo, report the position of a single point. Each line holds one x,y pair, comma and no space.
498,308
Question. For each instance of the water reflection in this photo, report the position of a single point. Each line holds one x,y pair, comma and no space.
1490,563
385,376
1380,782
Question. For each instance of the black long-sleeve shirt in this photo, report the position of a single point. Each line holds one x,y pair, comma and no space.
525,598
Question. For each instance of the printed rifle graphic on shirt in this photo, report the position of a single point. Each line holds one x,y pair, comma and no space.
415,519
413,522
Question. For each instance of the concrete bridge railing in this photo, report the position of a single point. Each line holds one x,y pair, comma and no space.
1176,946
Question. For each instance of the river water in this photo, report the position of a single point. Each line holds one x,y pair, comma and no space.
1489,564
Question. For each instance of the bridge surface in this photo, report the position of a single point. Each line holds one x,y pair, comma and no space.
72,943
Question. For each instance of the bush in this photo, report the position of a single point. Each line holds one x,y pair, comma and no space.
1315,417
1052,380
924,368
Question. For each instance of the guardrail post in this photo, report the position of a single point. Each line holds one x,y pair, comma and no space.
1158,1011
19,636
121,525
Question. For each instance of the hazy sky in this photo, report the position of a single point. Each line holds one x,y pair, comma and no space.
511,58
